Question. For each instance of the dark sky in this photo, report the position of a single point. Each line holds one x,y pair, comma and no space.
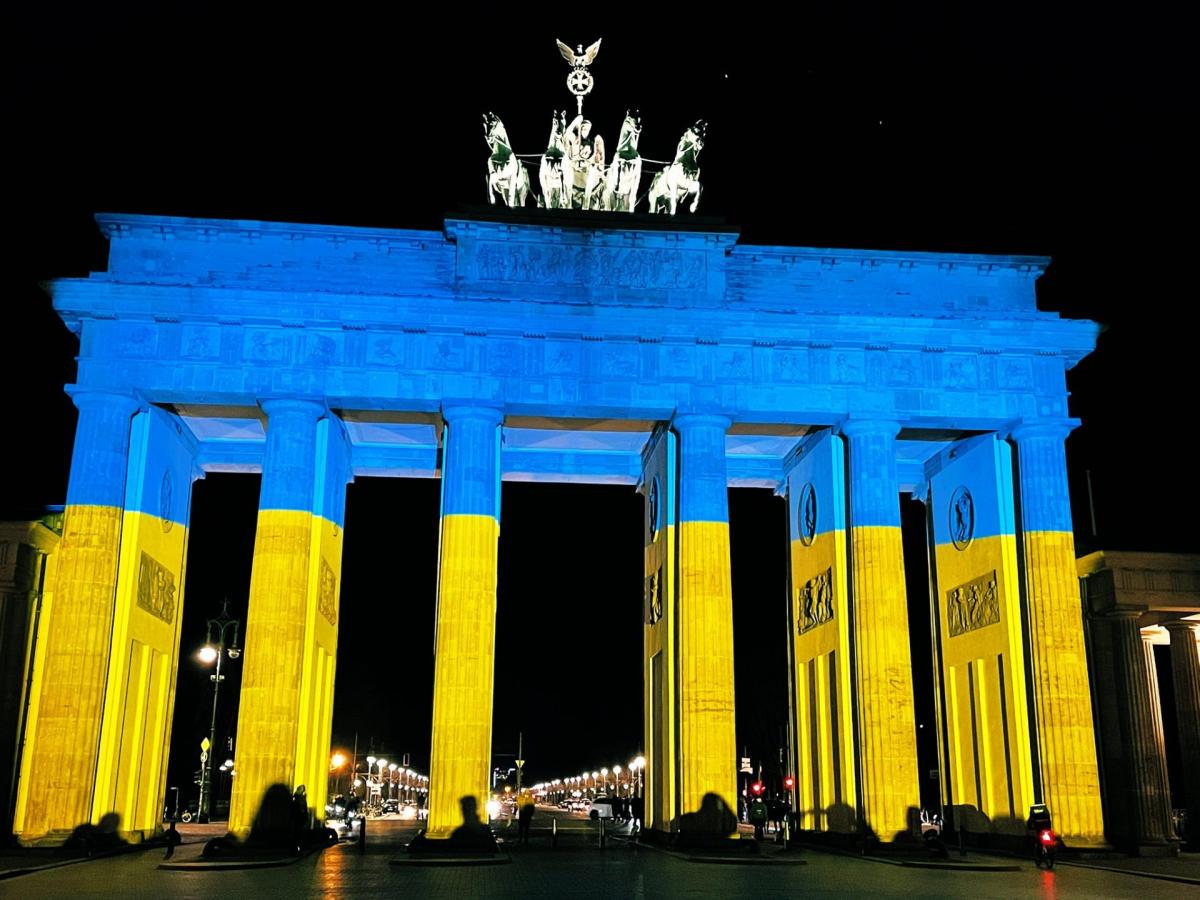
1003,129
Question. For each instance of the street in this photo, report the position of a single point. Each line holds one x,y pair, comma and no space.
576,868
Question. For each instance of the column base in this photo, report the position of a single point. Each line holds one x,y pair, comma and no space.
461,841
1157,849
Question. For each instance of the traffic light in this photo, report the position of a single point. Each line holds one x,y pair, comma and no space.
757,788
789,782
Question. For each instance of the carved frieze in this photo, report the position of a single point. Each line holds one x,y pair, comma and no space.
626,267
654,600
815,601
973,605
327,596
156,588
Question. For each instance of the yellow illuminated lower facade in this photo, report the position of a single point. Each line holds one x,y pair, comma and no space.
1062,694
825,785
886,724
659,681
286,710
707,734
990,776
102,698
463,670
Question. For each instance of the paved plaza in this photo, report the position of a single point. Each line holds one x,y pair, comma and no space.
571,870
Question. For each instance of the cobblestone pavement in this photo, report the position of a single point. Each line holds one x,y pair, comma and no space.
574,871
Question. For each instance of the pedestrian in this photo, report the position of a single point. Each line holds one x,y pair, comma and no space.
777,814
299,815
173,839
637,810
525,808
758,817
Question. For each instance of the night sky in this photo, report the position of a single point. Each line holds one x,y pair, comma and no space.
1005,130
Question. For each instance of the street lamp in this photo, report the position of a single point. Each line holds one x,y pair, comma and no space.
604,776
214,652
336,761
392,780
617,778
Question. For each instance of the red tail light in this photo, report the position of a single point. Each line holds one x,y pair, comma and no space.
1047,838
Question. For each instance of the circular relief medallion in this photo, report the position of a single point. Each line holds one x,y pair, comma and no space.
806,515
164,502
652,510
962,518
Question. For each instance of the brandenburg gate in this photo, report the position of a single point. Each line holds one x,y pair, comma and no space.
566,346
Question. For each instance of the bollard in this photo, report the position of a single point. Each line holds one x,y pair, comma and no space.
362,833
787,832
553,832
603,836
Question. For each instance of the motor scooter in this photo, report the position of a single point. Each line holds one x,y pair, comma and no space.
1047,843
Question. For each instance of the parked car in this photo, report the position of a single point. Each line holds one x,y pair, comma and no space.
340,827
602,808
391,806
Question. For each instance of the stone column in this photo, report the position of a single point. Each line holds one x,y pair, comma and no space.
464,648
26,550
887,741
1147,797
707,734
1185,673
62,744
290,639
1062,700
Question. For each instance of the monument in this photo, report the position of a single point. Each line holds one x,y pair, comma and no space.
580,345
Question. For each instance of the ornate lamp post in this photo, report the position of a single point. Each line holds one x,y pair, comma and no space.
637,765
214,651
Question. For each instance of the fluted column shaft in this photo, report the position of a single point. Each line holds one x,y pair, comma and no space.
464,664
273,661
1185,675
887,727
1147,796
707,729
1063,702
57,795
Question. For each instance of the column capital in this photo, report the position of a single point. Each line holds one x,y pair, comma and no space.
1182,627
461,411
1123,614
1050,429
852,428
86,398
688,421
311,406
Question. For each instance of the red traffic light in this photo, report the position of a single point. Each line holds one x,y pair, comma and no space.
789,782
757,788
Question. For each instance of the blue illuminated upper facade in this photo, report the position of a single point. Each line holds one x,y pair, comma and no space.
583,336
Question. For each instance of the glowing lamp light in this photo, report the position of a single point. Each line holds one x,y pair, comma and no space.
207,654
337,760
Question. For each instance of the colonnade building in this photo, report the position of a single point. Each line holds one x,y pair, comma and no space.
675,359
